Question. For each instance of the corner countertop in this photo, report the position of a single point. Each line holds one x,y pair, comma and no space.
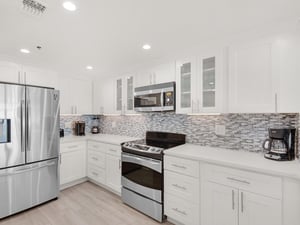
238,159
105,138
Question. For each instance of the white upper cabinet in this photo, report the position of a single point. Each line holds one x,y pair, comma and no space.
124,100
104,96
251,81
200,85
159,74
75,96
10,72
39,77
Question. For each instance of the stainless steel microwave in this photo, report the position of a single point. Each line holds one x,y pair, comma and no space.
155,98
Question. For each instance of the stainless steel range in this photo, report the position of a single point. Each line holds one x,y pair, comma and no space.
142,171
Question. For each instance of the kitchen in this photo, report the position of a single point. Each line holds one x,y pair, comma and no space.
202,97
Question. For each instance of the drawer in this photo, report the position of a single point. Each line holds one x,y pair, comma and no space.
96,174
113,150
182,186
72,146
249,181
181,211
96,158
183,166
96,146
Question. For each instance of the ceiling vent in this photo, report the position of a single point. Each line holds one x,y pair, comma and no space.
33,7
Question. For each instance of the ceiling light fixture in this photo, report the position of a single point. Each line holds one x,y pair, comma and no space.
146,46
24,50
69,6
89,67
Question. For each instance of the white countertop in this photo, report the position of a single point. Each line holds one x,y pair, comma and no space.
238,159
105,138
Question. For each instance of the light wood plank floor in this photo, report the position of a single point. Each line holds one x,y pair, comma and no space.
84,204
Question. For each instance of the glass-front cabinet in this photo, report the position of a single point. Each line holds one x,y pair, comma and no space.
199,85
124,98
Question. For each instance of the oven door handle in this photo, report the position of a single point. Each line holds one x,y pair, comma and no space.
147,162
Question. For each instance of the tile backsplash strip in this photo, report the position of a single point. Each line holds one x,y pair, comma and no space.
243,131
65,119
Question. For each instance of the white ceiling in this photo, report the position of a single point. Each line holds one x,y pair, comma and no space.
109,34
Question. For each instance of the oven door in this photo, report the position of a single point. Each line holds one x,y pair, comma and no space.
142,175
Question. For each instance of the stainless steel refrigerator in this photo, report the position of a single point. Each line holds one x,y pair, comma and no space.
29,147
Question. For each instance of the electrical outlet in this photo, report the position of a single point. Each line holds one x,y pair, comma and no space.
220,130
68,125
113,124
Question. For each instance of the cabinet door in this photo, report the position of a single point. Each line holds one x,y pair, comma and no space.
164,73
251,82
104,96
257,210
113,172
128,94
119,107
76,95
39,77
73,166
186,88
10,72
219,205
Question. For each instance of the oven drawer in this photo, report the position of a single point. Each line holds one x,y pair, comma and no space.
249,181
96,146
182,186
183,166
183,211
96,159
96,174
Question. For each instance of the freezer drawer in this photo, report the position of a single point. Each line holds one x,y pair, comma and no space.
27,186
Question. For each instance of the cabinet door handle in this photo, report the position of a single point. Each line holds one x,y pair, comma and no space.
120,164
72,146
242,202
179,186
94,173
233,206
179,211
94,158
179,166
237,180
276,104
95,146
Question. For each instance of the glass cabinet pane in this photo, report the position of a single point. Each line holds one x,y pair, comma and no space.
209,82
119,95
185,87
129,93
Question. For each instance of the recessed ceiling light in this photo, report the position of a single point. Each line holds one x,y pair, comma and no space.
24,50
146,47
69,6
89,67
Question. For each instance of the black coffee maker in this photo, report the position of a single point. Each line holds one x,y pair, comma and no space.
280,144
79,128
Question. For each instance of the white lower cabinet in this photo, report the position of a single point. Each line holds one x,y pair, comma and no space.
104,164
73,162
181,190
244,202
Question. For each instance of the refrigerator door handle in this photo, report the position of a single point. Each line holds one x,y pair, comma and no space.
22,126
27,126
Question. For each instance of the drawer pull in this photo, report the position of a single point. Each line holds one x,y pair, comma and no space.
242,202
73,146
233,206
178,166
178,186
237,180
94,158
112,150
94,173
95,146
179,211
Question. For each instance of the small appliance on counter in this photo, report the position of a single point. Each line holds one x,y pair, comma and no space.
79,128
61,132
95,126
280,144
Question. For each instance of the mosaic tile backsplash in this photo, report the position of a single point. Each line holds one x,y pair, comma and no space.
243,131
